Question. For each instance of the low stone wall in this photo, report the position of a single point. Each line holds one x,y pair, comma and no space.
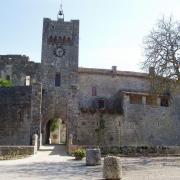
132,151
17,150
142,150
72,148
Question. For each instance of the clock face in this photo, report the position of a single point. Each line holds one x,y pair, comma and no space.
59,52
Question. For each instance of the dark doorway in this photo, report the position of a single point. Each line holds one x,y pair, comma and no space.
48,125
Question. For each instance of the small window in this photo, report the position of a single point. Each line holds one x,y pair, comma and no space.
94,91
164,101
64,39
58,80
55,39
157,124
8,77
68,39
101,104
135,99
43,92
59,39
28,81
50,39
151,100
19,116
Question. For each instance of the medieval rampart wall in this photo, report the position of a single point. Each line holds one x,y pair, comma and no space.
20,114
18,68
151,125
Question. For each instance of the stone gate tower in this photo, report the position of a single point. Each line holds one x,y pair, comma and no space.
60,48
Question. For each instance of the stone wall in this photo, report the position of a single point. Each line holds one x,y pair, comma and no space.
36,111
99,129
20,114
13,151
152,151
108,84
143,122
140,125
18,68
151,125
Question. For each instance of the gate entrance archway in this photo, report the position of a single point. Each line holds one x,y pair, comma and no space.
55,132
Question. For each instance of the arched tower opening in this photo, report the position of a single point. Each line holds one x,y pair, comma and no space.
55,132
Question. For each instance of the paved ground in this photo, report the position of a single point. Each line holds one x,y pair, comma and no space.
51,163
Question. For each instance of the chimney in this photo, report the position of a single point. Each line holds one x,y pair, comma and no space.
114,70
151,71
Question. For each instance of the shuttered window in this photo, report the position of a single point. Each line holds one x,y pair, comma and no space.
58,80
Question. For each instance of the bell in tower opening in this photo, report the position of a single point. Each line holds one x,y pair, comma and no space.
60,13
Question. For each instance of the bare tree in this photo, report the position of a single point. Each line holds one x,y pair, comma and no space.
162,49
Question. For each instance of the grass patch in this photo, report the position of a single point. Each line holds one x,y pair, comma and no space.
10,157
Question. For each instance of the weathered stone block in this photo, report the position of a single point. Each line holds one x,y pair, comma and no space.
112,168
35,142
93,157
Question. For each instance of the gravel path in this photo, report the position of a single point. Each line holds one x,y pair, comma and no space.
52,163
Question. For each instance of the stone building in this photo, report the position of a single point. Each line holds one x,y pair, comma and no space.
104,107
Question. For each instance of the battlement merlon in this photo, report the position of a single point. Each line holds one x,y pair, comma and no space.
47,22
60,28
60,20
59,33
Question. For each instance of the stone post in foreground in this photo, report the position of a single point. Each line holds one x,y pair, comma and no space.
93,157
35,142
112,168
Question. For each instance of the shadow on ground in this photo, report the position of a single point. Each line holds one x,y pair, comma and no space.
53,163
146,162
56,170
59,149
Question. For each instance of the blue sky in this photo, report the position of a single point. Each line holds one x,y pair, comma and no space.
111,31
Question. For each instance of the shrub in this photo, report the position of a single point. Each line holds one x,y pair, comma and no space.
5,83
79,154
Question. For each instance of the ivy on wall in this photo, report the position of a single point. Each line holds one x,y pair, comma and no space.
111,105
5,83
101,127
54,124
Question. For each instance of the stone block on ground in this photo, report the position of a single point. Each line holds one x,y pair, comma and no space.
35,142
93,157
112,168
